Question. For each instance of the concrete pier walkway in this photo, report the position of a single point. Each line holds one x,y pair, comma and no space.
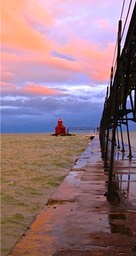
80,219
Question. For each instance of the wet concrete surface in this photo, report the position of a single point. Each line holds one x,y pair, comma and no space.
81,218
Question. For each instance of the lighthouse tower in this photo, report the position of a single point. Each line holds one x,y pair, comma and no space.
60,128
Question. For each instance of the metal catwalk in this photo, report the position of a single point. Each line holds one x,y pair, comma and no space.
120,101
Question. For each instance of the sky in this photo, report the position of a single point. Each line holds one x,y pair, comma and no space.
56,57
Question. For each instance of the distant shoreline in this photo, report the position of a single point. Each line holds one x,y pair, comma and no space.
131,129
43,132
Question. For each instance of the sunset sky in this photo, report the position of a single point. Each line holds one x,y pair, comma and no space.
56,60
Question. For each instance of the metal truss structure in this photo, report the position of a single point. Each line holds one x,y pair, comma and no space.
120,101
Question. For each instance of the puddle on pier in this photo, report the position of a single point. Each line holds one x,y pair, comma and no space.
121,229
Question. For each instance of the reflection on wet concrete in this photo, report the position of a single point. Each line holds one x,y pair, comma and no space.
117,216
124,177
121,229
123,196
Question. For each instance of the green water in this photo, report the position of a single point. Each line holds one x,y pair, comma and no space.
33,166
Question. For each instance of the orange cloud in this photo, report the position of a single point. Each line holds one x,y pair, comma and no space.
24,25
17,28
39,89
38,12
89,59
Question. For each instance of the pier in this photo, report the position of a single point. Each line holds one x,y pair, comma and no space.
81,128
93,211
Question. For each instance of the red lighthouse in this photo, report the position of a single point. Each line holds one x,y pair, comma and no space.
60,128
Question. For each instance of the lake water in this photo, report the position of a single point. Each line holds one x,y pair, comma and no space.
33,166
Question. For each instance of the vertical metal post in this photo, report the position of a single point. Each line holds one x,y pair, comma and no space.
110,188
118,138
129,144
111,78
122,138
107,137
106,149
135,104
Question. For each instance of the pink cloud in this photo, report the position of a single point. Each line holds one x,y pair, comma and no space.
39,89
7,76
103,24
90,58
25,27
28,89
7,87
